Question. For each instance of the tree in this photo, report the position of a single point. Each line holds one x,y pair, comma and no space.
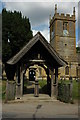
16,32
78,49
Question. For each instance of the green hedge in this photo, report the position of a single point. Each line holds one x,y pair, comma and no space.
63,92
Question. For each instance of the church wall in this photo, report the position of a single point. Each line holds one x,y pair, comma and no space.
65,47
72,71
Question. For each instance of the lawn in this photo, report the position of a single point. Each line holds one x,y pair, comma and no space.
75,92
43,86
42,83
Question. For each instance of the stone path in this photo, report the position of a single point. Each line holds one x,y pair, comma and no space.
40,109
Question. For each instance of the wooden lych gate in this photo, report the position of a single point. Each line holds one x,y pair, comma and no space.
37,51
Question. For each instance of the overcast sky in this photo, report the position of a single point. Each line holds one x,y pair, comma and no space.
38,13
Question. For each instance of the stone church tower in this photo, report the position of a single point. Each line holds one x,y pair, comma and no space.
63,40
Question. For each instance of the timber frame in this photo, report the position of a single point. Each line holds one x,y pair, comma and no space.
36,51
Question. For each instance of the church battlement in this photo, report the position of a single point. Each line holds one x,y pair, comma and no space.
62,16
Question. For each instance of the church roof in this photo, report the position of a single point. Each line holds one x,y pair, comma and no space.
32,42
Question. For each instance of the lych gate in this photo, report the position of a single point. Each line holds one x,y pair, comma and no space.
37,52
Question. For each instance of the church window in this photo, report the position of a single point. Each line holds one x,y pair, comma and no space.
65,24
67,70
52,34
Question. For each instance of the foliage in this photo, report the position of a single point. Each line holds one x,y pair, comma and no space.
77,49
75,91
42,83
16,32
62,94
43,86
2,89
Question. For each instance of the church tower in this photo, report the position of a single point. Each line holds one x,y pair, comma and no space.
63,38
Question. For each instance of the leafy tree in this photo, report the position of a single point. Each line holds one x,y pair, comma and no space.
16,32
78,49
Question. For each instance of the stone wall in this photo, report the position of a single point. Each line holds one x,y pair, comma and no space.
66,48
72,71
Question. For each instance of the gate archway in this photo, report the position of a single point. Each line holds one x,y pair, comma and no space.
34,68
37,51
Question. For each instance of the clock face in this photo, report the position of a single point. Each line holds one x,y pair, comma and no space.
65,33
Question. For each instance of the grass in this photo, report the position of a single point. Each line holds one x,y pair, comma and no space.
75,90
43,86
3,89
42,83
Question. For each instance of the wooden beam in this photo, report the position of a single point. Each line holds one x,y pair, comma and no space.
35,60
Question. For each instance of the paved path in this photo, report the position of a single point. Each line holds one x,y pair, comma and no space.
40,109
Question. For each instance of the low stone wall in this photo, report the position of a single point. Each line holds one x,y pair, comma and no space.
10,90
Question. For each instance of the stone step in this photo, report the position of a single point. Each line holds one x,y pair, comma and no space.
31,98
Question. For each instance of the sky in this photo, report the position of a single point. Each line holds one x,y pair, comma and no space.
39,12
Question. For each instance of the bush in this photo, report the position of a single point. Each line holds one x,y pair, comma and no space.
63,92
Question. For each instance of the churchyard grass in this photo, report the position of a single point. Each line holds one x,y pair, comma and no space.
3,89
43,86
42,83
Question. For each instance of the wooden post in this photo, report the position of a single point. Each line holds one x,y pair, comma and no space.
56,81
52,82
10,90
56,75
21,76
18,84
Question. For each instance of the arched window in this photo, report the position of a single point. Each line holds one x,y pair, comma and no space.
67,70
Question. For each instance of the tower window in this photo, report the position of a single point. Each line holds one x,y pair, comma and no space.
67,70
52,35
65,24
